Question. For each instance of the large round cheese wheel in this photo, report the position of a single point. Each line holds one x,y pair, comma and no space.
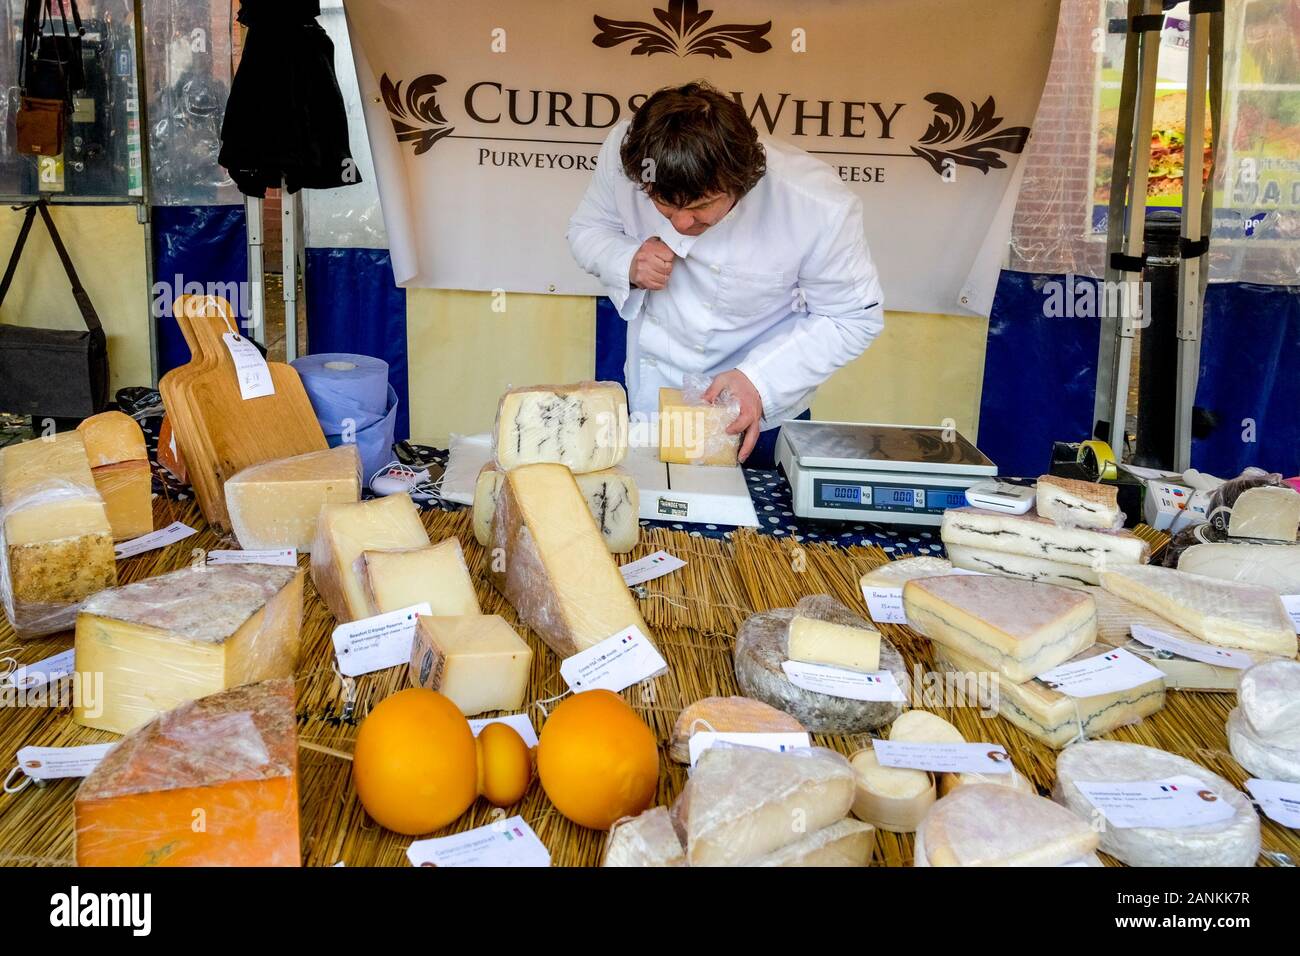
923,727
761,649
1261,758
986,825
890,798
1232,842
1269,697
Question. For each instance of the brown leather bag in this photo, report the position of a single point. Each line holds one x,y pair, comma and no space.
41,124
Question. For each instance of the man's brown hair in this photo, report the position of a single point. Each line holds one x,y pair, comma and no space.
699,142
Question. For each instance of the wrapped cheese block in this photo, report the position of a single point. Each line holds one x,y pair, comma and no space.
987,825
722,715
1270,760
695,433
1015,627
211,783
1082,504
275,504
1272,566
895,574
1219,612
843,844
478,662
1024,567
1231,842
435,575
742,803
180,636
611,495
1269,697
343,532
1270,513
762,650
582,426
119,464
644,840
1032,536
555,568
56,543
1055,718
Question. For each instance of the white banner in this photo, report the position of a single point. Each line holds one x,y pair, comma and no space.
485,120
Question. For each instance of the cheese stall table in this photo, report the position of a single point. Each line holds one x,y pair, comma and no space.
694,614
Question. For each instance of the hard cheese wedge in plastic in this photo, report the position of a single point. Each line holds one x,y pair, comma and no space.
897,573
611,495
1270,513
581,426
644,840
1024,567
181,636
1016,627
695,434
986,825
1083,504
436,575
842,844
57,540
557,571
275,504
1272,566
344,532
120,465
228,761
1036,537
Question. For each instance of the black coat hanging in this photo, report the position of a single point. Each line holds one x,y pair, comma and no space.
285,121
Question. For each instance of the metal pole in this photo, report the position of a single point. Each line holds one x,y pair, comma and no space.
144,212
291,216
256,270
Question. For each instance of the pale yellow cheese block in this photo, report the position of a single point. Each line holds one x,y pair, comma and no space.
344,532
835,645
276,504
582,426
845,843
127,490
57,538
436,575
477,661
181,636
695,434
112,437
612,496
1269,513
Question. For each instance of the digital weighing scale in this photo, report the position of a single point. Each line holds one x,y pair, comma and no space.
899,474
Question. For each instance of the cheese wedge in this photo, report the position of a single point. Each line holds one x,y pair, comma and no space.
275,504
56,535
1056,718
987,825
181,636
736,715
1219,612
211,783
477,662
843,844
344,532
436,575
611,495
835,645
645,840
582,426
1017,628
1036,537
555,568
1020,566
1270,513
119,463
1272,566
111,438
897,573
695,434
1082,504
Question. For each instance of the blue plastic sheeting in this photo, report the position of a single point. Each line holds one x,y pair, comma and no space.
197,249
1250,379
611,342
354,305
1040,373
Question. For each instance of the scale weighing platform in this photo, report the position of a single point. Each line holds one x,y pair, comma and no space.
898,474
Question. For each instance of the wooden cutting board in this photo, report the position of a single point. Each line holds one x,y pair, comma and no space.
227,432
177,402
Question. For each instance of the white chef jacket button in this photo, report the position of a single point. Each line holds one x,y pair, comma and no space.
715,268
699,348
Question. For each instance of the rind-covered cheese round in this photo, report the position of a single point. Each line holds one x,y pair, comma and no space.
1269,697
987,825
1259,756
890,798
1232,842
897,573
923,727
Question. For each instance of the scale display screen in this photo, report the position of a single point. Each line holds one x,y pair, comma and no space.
877,497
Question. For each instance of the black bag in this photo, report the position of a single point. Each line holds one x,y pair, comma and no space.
50,372
50,70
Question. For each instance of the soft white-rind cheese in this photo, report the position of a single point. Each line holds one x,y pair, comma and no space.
986,825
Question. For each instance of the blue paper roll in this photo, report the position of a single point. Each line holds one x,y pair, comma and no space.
375,441
353,401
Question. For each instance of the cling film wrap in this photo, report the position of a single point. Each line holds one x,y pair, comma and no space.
1231,842
612,497
1269,697
487,488
56,544
697,428
1273,566
233,754
740,802
647,839
1189,537
583,426
762,647
127,490
982,824
258,497
157,643
1074,503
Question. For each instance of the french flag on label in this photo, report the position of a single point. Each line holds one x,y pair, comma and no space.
1168,788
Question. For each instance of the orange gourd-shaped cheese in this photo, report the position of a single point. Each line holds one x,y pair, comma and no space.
415,764
505,765
597,760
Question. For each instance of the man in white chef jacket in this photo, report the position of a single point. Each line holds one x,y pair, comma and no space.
736,258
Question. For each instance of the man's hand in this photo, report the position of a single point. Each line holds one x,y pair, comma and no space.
741,389
651,265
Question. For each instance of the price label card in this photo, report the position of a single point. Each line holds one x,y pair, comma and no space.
617,662
650,567
776,742
1107,673
943,758
510,842
47,671
886,604
374,643
1205,653
1173,803
53,763
1279,800
176,531
520,722
285,557
836,682
1292,604
253,373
